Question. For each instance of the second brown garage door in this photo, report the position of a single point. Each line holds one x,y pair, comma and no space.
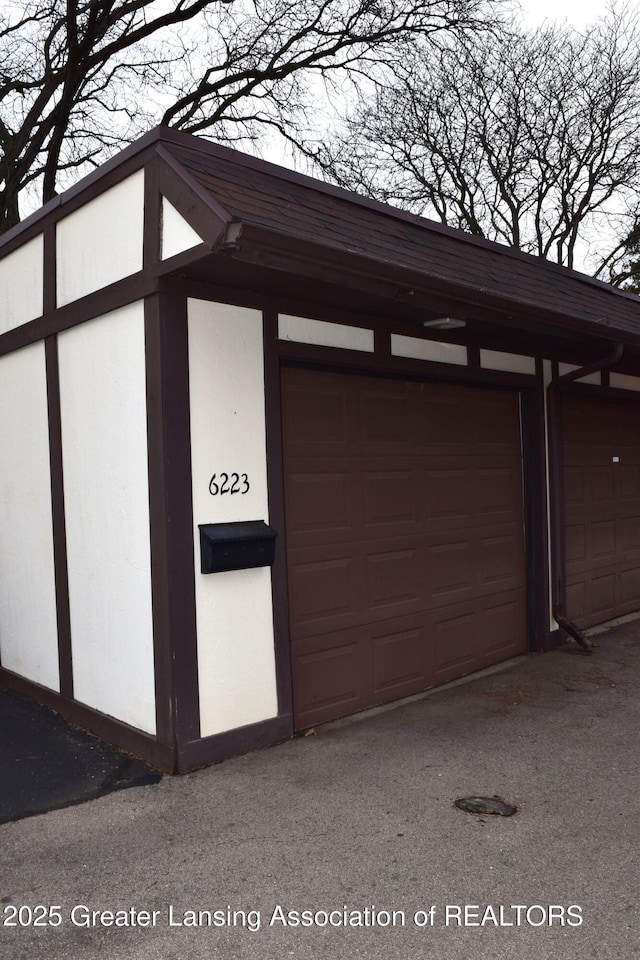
601,441
404,532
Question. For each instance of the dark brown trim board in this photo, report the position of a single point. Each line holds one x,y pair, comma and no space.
381,364
535,514
106,176
107,728
554,639
130,290
231,743
201,211
171,518
276,514
514,338
58,519
49,273
163,667
473,356
152,223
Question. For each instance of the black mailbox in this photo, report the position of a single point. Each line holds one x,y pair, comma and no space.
236,546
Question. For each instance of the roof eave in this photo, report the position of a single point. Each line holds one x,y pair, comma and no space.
392,282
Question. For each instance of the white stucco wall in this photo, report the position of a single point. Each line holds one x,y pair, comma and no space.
622,381
323,334
21,285
509,362
104,446
434,350
177,234
234,616
28,629
101,242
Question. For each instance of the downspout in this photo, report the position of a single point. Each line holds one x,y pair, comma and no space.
554,434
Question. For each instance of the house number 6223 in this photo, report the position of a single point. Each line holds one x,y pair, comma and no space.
222,483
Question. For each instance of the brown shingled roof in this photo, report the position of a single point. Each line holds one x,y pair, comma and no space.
296,208
291,225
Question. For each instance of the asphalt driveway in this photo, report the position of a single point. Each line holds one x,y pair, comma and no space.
46,763
346,844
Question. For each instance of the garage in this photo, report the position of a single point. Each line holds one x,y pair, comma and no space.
601,440
327,436
404,531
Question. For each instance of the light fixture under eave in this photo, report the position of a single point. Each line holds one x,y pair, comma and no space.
445,323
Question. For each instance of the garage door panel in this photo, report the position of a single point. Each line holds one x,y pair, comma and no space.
450,573
496,426
629,482
318,502
601,440
430,522
479,634
333,590
629,535
603,595
595,598
390,577
334,674
602,483
454,640
328,678
498,493
439,421
603,538
316,415
384,418
322,589
630,586
446,494
387,497
575,542
498,567
576,600
574,485
399,665
504,621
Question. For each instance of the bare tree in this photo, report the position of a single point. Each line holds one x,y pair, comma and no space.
77,77
625,269
530,139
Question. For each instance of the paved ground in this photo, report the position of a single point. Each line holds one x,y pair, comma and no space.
361,816
46,763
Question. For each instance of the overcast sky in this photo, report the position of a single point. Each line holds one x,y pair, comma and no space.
577,12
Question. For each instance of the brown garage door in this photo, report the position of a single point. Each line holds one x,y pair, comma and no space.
602,508
404,536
